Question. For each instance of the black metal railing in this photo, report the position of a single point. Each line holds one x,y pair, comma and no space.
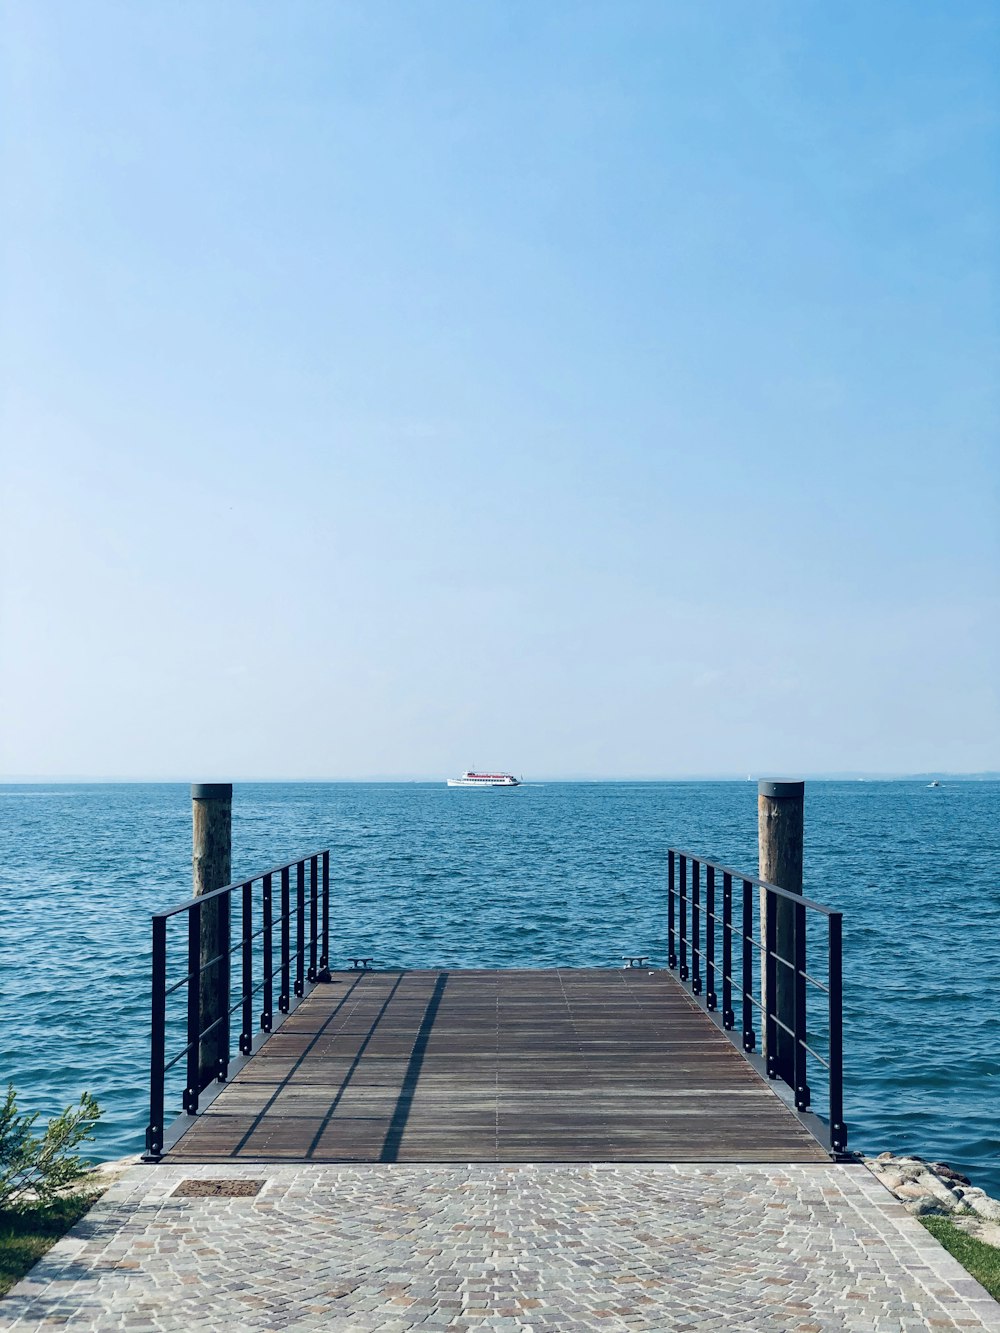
299,932
747,975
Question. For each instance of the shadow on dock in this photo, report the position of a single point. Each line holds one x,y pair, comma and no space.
562,1065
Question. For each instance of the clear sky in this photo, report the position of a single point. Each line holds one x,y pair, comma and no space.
577,388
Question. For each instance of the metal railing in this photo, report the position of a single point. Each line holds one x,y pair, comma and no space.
299,933
749,968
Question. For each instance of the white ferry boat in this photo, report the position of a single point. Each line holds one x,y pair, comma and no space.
471,779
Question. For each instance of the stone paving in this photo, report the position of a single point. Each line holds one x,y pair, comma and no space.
393,1248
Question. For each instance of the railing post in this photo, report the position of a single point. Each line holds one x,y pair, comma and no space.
684,917
300,928
671,922
728,1017
838,1130
324,958
267,980
191,1092
284,997
246,982
749,1036
313,914
696,927
780,834
158,1040
711,1000
211,821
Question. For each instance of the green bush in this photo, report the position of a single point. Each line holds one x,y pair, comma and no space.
34,1168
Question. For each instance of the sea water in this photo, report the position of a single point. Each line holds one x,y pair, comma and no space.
544,875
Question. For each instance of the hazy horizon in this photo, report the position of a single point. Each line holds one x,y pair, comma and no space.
986,775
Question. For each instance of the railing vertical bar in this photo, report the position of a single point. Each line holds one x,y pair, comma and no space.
158,1039
246,970
801,1016
728,1017
770,984
300,927
696,927
711,1000
313,914
671,921
838,1130
284,998
191,1091
267,911
749,1036
683,905
324,958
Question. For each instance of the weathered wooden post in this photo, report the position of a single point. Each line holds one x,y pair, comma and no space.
780,822
212,823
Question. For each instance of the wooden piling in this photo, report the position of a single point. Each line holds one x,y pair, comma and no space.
212,822
780,824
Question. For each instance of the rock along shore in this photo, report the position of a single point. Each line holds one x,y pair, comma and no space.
929,1189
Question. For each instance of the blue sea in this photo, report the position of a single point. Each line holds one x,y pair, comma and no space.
567,874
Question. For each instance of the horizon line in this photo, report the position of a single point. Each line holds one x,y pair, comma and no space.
852,775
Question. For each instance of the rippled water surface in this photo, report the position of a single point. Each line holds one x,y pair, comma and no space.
562,873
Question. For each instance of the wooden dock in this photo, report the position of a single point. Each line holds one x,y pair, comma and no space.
562,1065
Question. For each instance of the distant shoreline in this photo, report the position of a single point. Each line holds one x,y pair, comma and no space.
990,775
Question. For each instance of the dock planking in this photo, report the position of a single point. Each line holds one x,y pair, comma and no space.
560,1065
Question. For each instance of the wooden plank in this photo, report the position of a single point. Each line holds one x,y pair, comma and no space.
558,1065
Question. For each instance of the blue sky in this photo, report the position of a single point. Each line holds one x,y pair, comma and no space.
597,389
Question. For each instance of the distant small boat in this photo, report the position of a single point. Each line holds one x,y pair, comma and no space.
471,779
934,784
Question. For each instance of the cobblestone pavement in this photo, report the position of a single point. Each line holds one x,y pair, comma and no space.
565,1248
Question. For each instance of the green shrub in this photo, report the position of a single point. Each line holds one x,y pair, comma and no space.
34,1168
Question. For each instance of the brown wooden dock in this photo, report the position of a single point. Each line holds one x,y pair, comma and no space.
506,1066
